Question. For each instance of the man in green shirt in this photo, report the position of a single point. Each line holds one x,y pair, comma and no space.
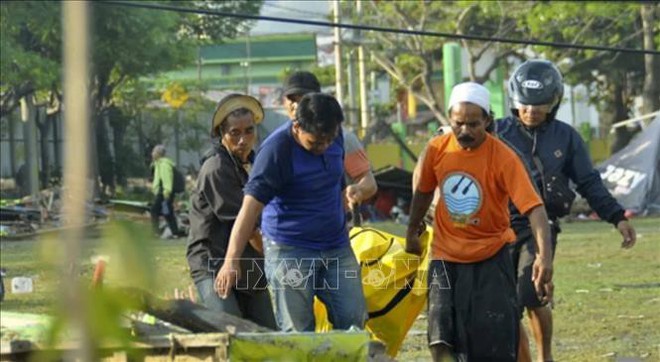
162,187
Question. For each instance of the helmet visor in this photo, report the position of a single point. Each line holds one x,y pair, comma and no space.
543,108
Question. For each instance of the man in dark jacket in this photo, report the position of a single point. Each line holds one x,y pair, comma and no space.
215,203
555,154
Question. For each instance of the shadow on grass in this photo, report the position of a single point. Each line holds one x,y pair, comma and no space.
637,286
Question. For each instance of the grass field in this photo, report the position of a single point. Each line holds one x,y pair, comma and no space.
607,300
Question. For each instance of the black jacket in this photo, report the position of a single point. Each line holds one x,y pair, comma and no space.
561,150
215,203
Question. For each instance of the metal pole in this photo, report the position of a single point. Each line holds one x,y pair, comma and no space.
339,76
364,106
76,185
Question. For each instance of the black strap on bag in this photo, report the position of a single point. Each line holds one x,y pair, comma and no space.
356,216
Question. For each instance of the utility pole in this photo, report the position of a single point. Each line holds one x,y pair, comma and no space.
364,106
177,137
339,77
249,71
352,114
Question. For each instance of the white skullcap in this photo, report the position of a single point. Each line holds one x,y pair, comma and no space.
470,92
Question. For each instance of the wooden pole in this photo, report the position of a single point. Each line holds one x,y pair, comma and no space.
76,127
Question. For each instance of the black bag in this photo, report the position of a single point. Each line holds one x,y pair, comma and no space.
178,182
557,195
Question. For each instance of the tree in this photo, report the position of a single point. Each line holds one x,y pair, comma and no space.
496,19
413,60
30,57
127,44
410,60
614,78
29,67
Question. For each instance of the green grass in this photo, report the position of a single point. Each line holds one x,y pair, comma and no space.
606,299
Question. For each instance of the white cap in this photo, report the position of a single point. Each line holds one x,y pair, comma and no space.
470,92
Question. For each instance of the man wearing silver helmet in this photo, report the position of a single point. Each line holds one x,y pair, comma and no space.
555,154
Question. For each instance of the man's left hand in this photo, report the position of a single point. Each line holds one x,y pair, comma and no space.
628,233
354,194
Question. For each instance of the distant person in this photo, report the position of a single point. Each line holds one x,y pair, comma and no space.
298,182
556,154
215,202
473,313
361,181
22,180
162,187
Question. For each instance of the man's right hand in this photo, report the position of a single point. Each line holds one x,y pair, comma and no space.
227,277
413,245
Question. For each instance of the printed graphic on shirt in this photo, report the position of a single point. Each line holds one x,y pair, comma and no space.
463,197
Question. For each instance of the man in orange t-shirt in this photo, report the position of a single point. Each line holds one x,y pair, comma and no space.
473,311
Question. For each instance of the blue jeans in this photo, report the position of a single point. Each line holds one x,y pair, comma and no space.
296,275
255,305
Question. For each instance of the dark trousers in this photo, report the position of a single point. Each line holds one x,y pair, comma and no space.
472,308
157,210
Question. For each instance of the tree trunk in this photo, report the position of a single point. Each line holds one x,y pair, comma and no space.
57,157
142,144
651,95
119,124
186,314
105,160
619,110
12,144
28,110
44,121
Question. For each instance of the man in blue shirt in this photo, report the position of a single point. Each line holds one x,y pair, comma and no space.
298,182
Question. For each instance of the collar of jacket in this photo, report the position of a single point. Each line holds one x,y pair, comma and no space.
530,131
221,148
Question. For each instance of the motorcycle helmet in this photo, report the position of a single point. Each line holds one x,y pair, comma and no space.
536,82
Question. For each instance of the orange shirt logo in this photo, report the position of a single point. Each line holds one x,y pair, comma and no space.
462,196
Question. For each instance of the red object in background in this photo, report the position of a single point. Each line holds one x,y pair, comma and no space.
385,200
99,272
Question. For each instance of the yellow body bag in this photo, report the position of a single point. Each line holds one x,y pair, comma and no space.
393,281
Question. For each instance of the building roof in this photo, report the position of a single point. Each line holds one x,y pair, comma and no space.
262,48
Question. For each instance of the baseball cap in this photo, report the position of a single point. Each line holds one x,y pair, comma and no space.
301,82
